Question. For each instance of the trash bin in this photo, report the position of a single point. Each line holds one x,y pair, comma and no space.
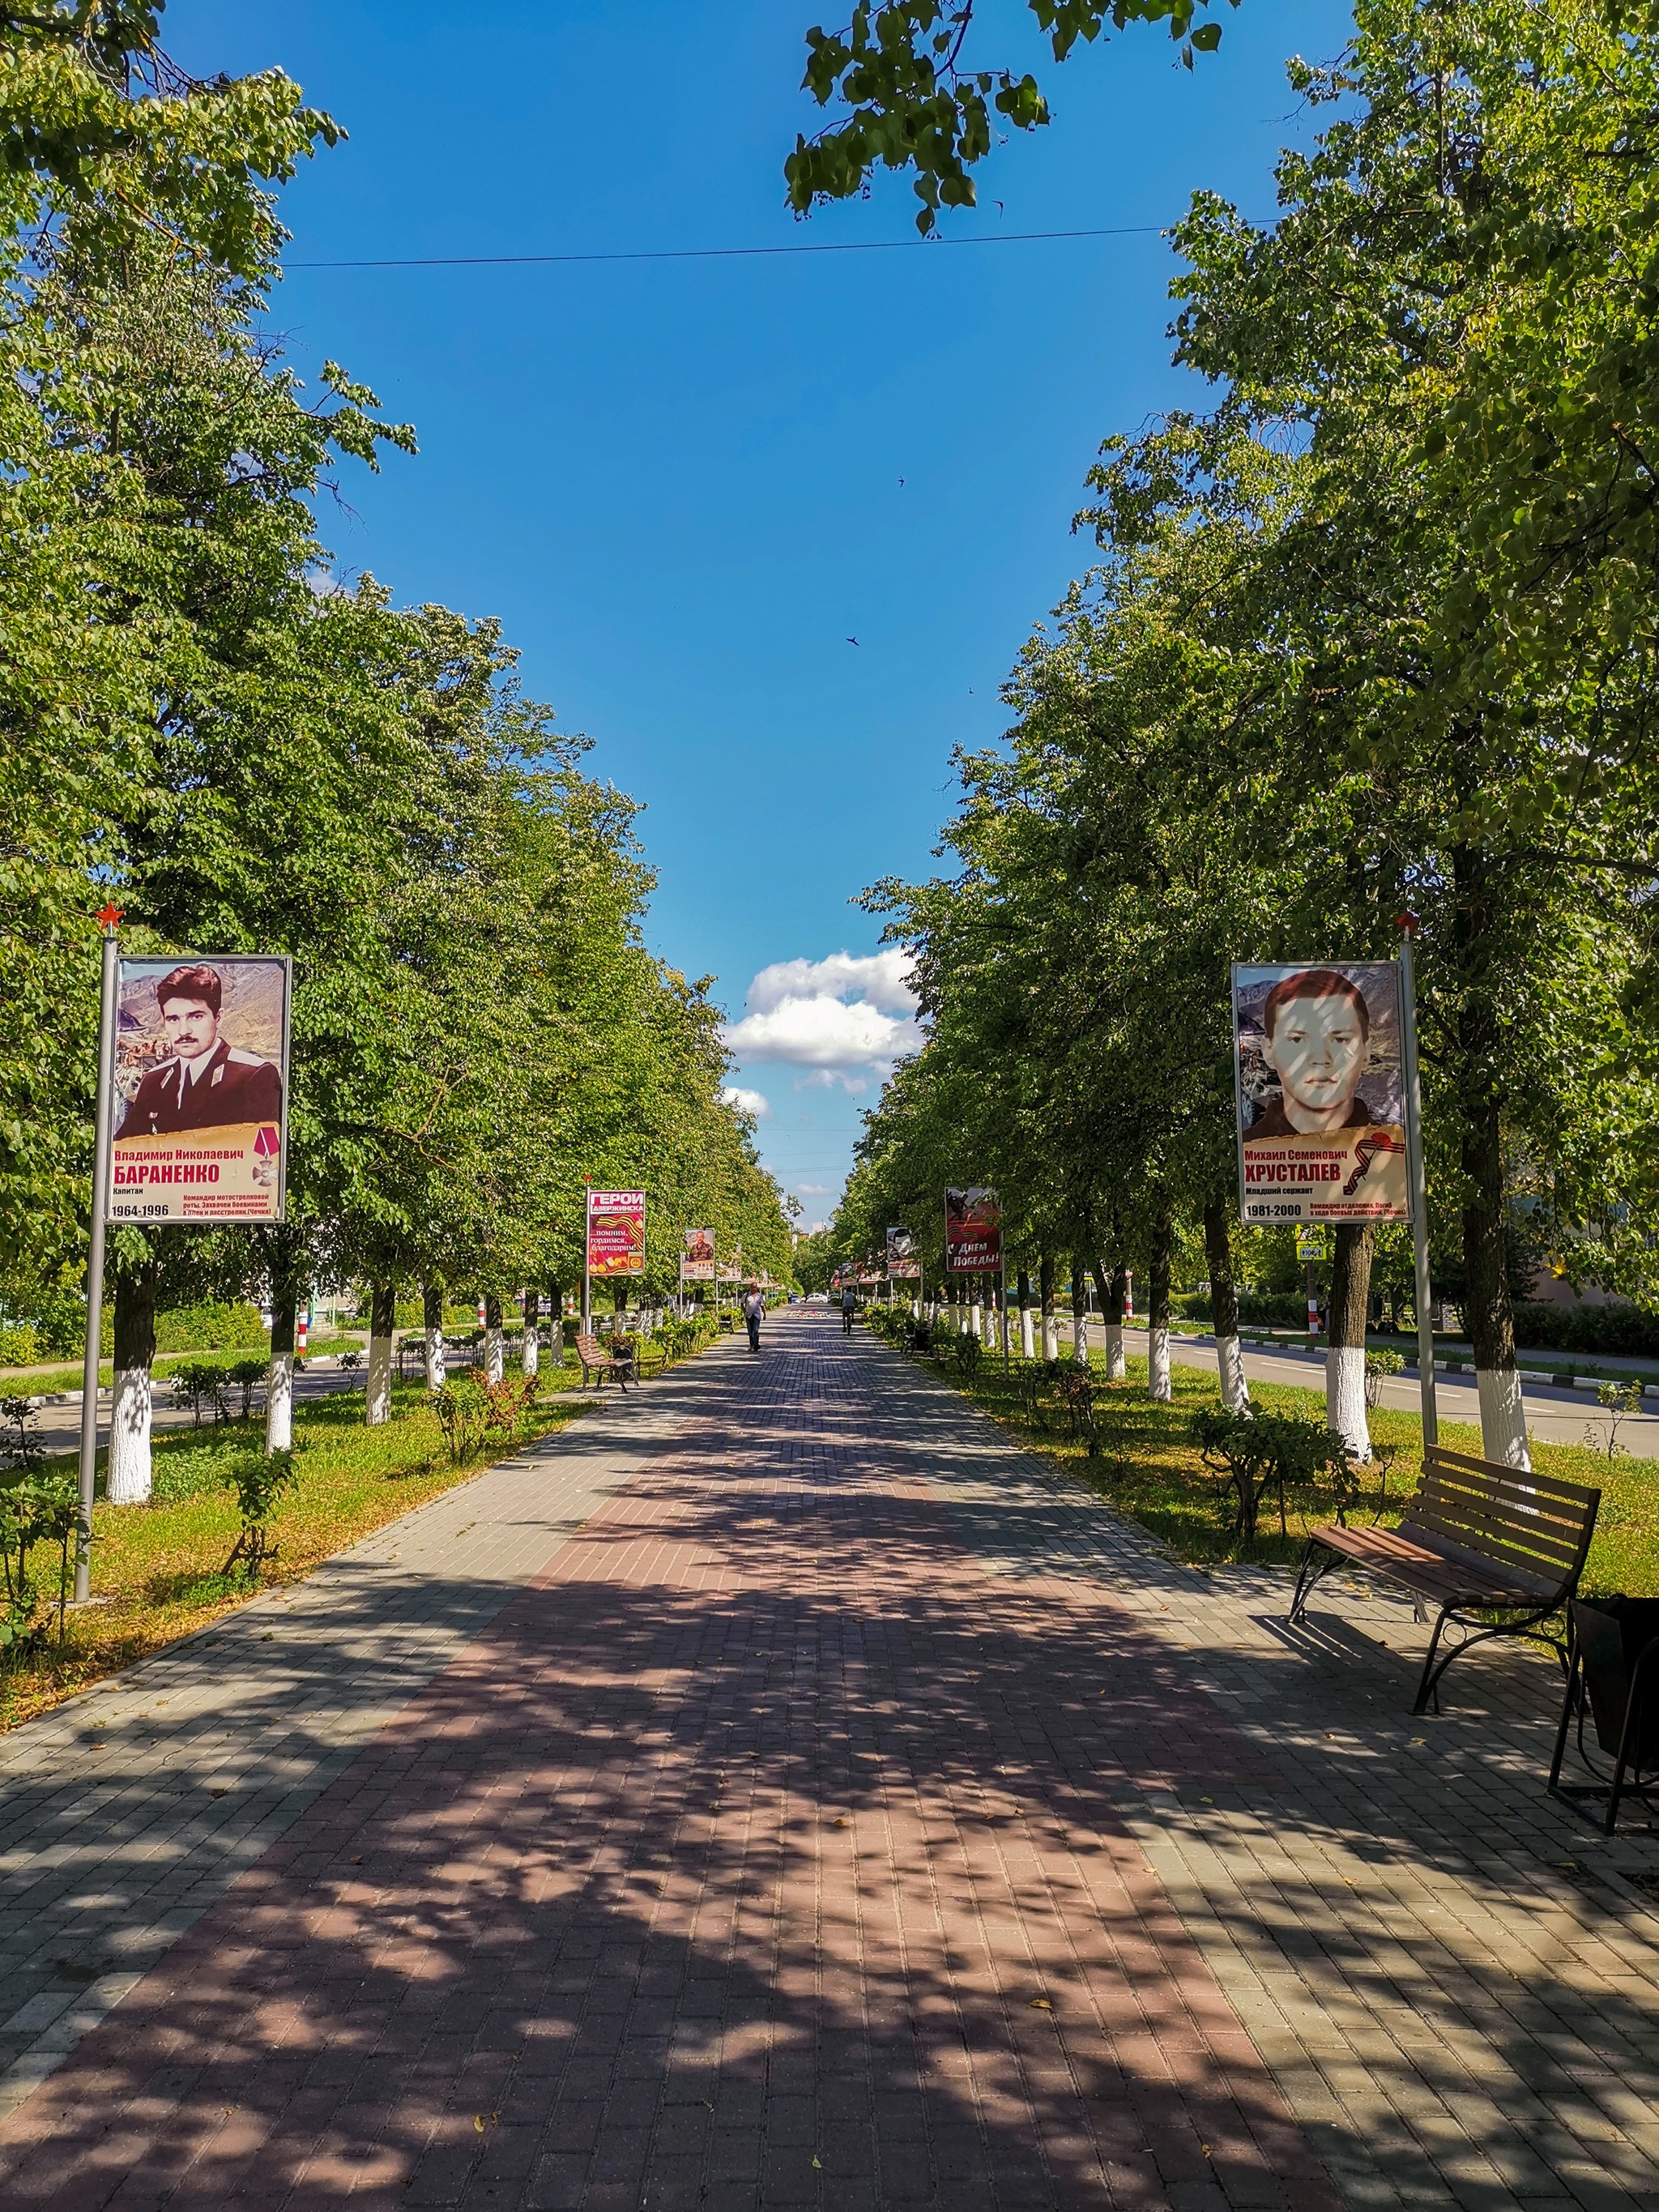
1612,1679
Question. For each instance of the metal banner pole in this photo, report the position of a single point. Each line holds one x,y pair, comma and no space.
111,919
1006,1363
1419,1182
587,1256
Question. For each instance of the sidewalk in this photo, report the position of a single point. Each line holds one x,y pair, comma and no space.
784,1792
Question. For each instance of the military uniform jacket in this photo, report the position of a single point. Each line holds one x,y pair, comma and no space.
234,1086
1272,1122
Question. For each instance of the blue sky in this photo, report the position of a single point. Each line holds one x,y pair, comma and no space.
678,483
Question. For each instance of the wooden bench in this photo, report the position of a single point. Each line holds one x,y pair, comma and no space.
1477,1539
618,1367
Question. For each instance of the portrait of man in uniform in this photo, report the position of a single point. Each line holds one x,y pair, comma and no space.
203,1083
1317,1033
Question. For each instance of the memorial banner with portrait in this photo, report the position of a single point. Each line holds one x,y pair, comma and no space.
1319,1074
973,1231
615,1233
903,1261
697,1256
199,1112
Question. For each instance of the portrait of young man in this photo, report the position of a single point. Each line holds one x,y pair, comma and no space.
204,1083
1316,1030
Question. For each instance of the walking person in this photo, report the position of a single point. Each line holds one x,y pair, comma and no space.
849,1306
754,1306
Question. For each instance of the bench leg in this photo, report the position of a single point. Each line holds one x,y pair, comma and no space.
1429,1686
1310,1575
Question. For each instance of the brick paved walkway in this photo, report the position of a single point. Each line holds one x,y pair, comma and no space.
849,1814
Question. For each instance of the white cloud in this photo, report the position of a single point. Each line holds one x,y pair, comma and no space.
881,978
815,1189
846,1018
747,1102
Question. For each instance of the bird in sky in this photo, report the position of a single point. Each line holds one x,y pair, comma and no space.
901,483
852,640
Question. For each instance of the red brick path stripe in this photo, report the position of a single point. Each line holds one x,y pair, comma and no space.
760,1854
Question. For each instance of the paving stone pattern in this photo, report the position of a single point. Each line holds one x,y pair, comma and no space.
849,1813
127,1811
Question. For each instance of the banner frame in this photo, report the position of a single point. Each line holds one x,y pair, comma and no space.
1339,964
109,1136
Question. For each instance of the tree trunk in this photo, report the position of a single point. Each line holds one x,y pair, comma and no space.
1490,1319
431,1333
1345,1357
1158,1317
129,1412
286,1259
1224,1309
1027,1331
1050,1320
1111,1306
1487,1313
532,1333
619,1297
382,1327
495,1341
1079,1310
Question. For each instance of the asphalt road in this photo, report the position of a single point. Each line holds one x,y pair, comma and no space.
1554,1416
60,1425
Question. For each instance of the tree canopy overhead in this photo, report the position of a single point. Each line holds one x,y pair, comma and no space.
914,92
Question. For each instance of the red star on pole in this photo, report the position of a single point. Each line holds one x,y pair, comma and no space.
109,915
1407,922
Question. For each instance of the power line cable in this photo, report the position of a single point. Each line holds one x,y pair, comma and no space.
730,252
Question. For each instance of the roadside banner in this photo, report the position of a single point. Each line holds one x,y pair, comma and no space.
1319,1092
198,1116
903,1261
697,1256
616,1232
973,1231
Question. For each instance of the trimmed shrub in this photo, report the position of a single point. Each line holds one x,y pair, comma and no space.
19,1345
1624,1331
212,1326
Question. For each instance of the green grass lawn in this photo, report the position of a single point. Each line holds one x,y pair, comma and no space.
158,1567
1148,1466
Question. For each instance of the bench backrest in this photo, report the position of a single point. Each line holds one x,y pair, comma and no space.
594,1352
1535,1528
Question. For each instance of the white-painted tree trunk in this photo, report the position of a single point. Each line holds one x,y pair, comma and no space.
1158,1364
1229,1363
532,1348
1051,1336
1116,1369
380,1381
495,1353
279,1403
1080,1339
436,1367
1503,1417
976,1321
1344,1397
129,1437
1027,1334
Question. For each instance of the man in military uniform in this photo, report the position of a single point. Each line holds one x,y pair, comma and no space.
208,1084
